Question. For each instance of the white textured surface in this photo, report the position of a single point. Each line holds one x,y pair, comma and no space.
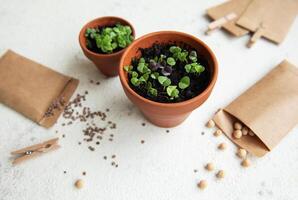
162,168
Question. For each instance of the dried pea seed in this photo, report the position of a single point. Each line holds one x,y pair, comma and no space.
237,134
244,130
245,162
237,126
241,153
79,184
202,184
210,123
220,174
222,146
217,133
251,133
209,167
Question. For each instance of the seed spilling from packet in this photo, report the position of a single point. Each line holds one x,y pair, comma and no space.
210,124
222,146
79,184
209,166
220,174
241,130
237,134
217,133
241,153
202,184
245,162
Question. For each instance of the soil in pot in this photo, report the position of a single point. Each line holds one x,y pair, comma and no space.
168,73
108,39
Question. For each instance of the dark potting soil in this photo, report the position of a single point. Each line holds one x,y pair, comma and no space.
92,43
198,83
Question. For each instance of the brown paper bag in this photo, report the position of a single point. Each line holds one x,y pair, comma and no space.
269,18
233,6
269,108
34,90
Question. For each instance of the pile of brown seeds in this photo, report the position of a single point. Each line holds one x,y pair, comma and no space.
55,105
96,126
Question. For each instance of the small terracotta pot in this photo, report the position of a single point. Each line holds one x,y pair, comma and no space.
167,114
108,64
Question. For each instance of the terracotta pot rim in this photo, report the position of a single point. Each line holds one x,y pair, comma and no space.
82,35
124,82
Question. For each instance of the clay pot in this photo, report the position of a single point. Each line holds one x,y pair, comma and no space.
167,114
108,64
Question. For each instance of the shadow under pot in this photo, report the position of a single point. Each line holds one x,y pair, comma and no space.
104,40
167,75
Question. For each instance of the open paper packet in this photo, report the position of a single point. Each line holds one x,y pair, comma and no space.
34,90
269,108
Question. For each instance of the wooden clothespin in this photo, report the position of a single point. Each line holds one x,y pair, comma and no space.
34,150
220,22
257,35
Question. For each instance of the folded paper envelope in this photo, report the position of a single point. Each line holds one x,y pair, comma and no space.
269,108
34,90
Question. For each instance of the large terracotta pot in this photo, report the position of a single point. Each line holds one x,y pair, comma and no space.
167,114
107,63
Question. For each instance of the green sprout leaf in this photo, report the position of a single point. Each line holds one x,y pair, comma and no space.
134,74
161,58
142,60
144,78
135,81
152,91
197,68
184,82
194,68
164,81
171,61
175,49
193,56
154,75
172,91
148,85
143,68
182,56
109,38
188,68
128,68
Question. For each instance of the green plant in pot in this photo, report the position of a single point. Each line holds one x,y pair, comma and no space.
167,75
104,40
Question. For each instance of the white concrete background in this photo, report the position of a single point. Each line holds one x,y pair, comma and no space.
162,168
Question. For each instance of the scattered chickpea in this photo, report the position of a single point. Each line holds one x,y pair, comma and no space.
251,133
202,184
210,123
244,130
237,126
79,184
222,146
237,134
209,167
245,162
220,174
241,153
217,133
